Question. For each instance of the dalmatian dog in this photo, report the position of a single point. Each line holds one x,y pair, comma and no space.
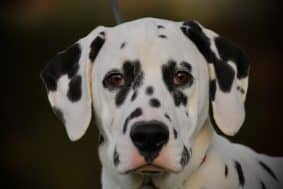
158,89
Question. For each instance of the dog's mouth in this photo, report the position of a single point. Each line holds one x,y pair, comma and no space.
149,170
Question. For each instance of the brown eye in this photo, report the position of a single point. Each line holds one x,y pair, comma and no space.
116,80
182,78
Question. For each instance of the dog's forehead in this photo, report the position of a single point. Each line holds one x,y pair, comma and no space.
151,41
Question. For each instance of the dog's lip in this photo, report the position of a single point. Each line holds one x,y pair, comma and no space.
149,169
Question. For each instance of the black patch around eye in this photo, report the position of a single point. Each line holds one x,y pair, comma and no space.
75,89
66,62
134,96
268,170
154,103
96,45
136,113
160,26
168,71
175,133
116,158
228,51
133,78
122,45
240,173
149,90
187,65
185,157
168,117
226,170
262,185
162,36
59,114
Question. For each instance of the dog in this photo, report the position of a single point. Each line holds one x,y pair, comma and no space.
158,90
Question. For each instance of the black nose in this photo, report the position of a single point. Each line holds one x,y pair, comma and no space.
149,137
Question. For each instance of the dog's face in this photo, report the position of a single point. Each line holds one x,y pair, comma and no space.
152,84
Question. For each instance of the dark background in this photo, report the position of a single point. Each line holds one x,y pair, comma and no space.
34,149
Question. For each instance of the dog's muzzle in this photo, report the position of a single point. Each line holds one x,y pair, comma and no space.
149,137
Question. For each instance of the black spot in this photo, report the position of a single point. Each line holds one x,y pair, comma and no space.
160,26
154,102
75,89
185,157
134,96
228,51
122,45
180,98
262,185
133,78
268,170
240,173
66,62
96,45
162,36
168,117
226,170
175,133
212,89
149,90
168,71
116,158
187,114
240,89
136,113
58,113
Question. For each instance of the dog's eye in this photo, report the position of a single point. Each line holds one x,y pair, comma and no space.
182,78
115,80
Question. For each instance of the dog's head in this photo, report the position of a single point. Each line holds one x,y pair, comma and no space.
152,84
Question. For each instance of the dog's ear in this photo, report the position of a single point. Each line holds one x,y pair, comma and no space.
228,71
68,82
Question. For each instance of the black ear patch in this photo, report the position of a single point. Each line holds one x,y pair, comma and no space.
66,62
228,51
224,72
96,45
75,88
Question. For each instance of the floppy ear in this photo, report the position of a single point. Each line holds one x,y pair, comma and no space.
228,71
67,81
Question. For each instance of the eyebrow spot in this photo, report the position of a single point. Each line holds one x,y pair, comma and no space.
160,27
